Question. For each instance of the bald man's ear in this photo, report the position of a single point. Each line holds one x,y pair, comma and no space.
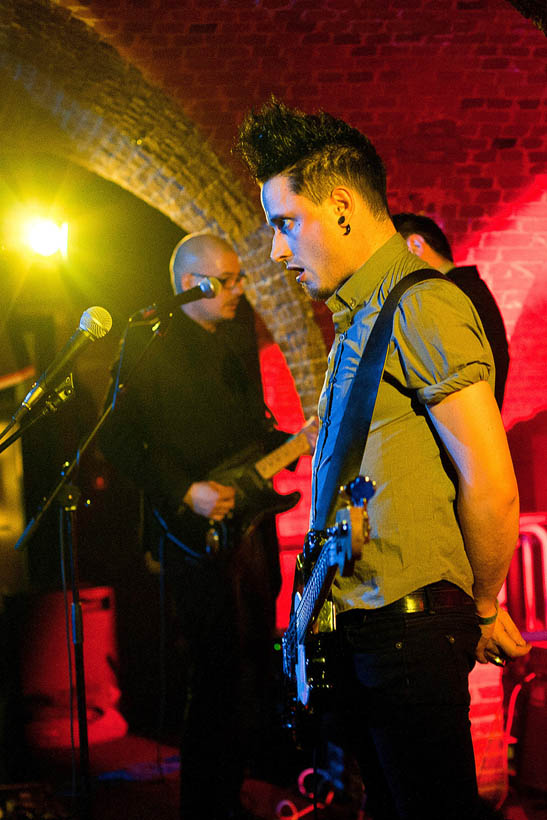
184,281
416,244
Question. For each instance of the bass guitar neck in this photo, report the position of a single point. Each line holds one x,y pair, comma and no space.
293,448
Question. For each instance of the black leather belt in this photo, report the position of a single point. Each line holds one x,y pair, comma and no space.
440,595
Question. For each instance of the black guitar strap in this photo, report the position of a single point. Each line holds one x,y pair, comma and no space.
355,424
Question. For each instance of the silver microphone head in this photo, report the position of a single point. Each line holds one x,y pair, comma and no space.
210,287
96,321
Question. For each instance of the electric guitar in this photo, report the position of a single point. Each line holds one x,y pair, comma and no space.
250,473
339,546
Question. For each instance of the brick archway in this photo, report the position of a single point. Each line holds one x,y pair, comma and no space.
102,114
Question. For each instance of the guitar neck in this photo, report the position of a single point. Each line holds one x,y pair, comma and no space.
275,461
315,593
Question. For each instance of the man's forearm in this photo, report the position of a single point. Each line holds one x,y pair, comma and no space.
490,534
470,427
490,530
471,430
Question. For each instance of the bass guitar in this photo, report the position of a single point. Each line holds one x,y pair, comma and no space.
339,547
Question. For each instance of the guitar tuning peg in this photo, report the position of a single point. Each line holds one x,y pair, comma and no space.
343,492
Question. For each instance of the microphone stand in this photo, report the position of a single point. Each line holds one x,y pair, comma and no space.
63,392
69,497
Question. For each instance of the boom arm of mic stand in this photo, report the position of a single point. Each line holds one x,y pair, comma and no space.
68,468
63,392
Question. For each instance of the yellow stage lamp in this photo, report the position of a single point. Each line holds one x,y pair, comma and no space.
45,237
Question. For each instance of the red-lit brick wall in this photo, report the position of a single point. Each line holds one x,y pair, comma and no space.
454,94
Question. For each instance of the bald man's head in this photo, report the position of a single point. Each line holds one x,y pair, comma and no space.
193,254
202,255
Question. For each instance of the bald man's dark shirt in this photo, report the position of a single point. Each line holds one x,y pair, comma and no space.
193,401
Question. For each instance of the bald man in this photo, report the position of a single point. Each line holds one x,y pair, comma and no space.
195,401
196,257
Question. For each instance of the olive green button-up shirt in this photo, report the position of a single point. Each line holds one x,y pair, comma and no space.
438,346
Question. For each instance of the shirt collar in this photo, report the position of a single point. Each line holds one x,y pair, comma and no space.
358,289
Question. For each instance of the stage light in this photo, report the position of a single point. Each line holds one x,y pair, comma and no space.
45,237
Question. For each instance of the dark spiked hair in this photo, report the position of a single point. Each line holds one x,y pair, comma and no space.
316,152
406,223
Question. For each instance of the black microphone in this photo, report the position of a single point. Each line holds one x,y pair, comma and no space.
95,323
208,288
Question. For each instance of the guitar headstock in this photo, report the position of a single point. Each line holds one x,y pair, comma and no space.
352,522
358,491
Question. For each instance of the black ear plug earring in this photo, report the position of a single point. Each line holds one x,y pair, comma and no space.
341,220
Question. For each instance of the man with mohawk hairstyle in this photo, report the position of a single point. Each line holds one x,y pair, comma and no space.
421,605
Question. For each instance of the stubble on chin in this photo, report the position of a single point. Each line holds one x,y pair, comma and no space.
317,294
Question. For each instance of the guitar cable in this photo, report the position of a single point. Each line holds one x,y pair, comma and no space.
166,533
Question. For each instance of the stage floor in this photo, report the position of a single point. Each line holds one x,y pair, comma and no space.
136,778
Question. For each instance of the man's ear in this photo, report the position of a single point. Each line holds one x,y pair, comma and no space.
343,203
184,281
416,244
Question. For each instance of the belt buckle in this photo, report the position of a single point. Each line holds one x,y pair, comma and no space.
414,603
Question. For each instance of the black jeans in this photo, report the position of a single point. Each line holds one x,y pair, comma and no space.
225,609
404,712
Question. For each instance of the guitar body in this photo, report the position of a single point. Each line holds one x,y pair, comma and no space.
312,667
309,691
306,653
255,499
255,496
315,675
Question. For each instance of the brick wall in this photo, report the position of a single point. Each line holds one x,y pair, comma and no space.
453,93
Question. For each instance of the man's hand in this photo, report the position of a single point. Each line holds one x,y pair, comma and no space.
310,430
210,499
501,639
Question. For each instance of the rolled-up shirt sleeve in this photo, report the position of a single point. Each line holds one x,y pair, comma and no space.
440,341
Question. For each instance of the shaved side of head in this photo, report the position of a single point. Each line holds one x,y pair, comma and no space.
192,253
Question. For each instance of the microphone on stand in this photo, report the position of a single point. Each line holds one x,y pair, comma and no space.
208,288
95,323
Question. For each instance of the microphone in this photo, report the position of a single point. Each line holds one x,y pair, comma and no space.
95,323
208,288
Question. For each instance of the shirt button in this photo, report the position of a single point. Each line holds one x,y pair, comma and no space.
342,337
399,645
